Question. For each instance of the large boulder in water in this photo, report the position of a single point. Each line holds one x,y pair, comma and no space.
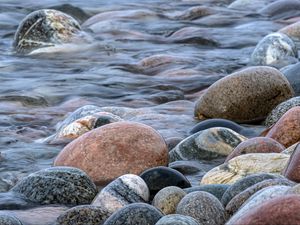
245,96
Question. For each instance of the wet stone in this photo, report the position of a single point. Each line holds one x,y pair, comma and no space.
176,219
186,167
217,190
9,220
292,73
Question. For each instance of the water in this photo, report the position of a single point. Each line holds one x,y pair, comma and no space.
152,55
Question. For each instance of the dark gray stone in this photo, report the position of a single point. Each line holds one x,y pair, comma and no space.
9,220
215,189
176,219
292,73
186,167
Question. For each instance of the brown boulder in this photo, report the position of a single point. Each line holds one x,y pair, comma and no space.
256,145
292,171
115,149
287,129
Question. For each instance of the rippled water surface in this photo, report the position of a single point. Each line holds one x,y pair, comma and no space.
155,55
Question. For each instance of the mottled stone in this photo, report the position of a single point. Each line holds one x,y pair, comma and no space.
115,149
244,96
124,190
203,207
61,185
287,129
292,169
9,220
281,9
186,167
217,190
83,215
207,144
160,177
135,214
292,73
176,219
256,145
245,165
167,199
281,109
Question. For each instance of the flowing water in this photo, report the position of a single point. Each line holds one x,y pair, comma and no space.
152,55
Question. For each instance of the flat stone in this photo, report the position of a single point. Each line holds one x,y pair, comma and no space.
217,190
176,219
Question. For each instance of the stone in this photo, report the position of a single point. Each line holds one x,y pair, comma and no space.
217,190
9,220
292,73
57,185
176,219
292,169
294,190
206,145
256,145
281,109
245,165
160,177
281,9
273,49
292,30
203,207
167,199
115,149
186,167
290,149
83,215
287,129
123,191
172,142
249,5
244,96
135,214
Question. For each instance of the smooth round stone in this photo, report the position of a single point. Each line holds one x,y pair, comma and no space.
244,96
57,185
292,169
9,220
245,183
217,190
245,165
273,48
135,214
176,219
203,207
237,201
292,73
249,5
287,129
123,191
115,149
186,167
292,30
281,109
83,215
256,145
281,9
158,178
167,199
45,28
207,144
259,198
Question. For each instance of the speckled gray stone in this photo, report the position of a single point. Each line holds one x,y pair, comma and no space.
273,49
167,199
135,214
215,189
61,185
9,220
83,215
176,219
203,207
124,190
207,144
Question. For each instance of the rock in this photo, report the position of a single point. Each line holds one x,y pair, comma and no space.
244,96
281,9
135,214
281,109
167,199
9,220
206,145
294,190
123,191
249,5
160,177
245,165
186,167
176,219
290,149
256,145
115,149
287,129
57,185
292,169
172,142
203,207
83,215
292,73
215,189
292,30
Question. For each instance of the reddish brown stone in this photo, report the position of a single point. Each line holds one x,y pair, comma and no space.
115,149
292,171
282,210
287,129
256,145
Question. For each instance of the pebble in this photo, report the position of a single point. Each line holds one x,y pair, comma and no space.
245,165
256,145
57,185
207,144
172,142
217,190
292,30
249,5
281,9
203,207
290,149
123,191
115,149
292,169
160,177
186,167
9,220
135,214
244,96
176,219
292,73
